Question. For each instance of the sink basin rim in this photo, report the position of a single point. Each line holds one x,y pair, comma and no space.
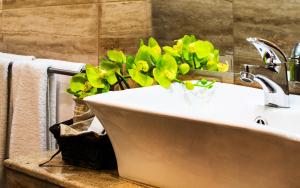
251,127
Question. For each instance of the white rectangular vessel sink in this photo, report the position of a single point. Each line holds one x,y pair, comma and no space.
219,138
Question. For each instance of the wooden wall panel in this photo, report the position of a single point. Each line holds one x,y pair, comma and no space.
58,32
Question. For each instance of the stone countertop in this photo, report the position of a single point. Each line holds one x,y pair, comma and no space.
67,176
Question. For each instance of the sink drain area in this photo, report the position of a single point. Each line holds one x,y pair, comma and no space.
261,121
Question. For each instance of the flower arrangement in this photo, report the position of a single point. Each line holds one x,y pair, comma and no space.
152,64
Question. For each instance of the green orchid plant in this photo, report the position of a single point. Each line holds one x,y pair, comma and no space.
150,65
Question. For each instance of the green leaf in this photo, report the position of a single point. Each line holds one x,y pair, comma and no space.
71,92
152,43
106,89
203,49
212,66
154,49
188,39
200,63
142,43
142,79
178,46
92,91
117,56
95,76
77,82
215,56
111,79
109,66
171,51
129,62
143,54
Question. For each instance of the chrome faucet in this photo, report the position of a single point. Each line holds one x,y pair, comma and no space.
272,76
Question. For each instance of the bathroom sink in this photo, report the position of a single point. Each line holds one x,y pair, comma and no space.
222,137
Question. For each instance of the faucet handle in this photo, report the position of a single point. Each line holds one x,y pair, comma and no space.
246,75
272,56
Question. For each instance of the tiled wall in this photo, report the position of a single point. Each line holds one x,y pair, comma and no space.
80,30
227,23
1,35
73,30
207,19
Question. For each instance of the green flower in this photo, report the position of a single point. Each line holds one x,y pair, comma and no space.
184,68
189,85
166,71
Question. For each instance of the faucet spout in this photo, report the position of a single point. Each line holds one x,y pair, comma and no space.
272,76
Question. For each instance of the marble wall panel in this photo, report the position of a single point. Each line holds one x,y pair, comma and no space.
13,4
122,24
58,32
2,45
207,19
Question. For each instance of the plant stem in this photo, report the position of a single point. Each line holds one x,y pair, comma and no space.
178,81
193,59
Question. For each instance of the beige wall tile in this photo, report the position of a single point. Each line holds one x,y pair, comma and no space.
125,19
13,4
1,37
122,24
207,19
2,45
58,32
128,45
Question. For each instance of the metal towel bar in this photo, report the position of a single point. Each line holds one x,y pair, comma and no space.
62,72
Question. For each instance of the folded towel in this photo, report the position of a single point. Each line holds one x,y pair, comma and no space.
65,65
34,105
14,57
55,94
29,87
4,79
5,113
89,125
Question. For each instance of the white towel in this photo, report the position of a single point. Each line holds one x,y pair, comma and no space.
34,105
65,65
15,57
6,115
55,94
4,76
29,87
